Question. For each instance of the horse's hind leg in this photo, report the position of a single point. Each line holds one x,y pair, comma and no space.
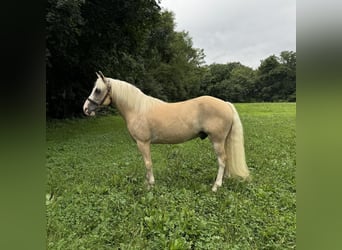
144,148
221,158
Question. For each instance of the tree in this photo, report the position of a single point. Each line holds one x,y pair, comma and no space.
177,68
277,78
218,81
288,60
64,28
274,80
243,81
129,40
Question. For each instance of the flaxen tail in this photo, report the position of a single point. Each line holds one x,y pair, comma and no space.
236,163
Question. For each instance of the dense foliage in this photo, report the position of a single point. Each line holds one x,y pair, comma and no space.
136,41
274,80
97,199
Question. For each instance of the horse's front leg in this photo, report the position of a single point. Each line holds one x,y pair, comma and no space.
144,148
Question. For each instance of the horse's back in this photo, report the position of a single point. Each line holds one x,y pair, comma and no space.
213,107
192,108
211,101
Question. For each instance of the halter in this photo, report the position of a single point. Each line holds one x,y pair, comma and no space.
104,98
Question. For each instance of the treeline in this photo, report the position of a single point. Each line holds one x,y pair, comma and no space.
136,41
273,81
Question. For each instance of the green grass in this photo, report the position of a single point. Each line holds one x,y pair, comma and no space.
97,198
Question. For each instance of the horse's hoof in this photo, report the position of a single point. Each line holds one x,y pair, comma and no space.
227,176
149,186
214,189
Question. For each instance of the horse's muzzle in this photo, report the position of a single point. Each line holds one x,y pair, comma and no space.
86,109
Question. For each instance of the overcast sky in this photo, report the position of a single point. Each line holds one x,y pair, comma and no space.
244,31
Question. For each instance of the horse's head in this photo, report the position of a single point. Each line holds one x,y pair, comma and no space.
99,96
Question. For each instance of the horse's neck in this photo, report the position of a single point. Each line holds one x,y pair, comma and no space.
128,103
123,109
118,102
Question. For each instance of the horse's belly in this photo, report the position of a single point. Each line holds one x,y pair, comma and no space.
173,136
173,132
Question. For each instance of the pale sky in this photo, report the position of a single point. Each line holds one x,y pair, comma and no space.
244,31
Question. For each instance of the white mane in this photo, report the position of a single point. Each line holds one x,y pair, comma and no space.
130,96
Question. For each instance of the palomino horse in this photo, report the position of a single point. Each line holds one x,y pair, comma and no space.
150,120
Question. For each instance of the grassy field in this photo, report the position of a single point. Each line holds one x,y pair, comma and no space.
97,199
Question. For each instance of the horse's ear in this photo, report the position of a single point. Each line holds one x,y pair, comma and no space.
98,76
102,76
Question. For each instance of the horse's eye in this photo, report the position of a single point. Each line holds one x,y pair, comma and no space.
97,91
